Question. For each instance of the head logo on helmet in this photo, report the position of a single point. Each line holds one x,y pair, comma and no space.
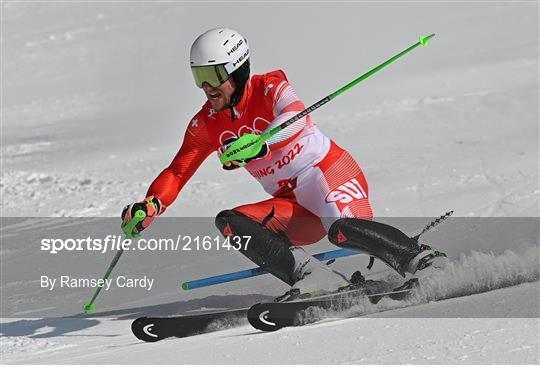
235,47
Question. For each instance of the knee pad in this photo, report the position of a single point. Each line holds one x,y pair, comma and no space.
353,233
231,222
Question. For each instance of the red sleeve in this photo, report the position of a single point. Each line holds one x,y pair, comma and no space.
194,150
285,104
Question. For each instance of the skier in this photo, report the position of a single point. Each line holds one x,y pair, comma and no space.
317,187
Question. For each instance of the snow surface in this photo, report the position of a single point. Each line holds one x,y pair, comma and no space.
95,100
398,336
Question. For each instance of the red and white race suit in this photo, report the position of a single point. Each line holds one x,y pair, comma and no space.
311,179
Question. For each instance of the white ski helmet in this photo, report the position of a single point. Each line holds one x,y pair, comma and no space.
216,55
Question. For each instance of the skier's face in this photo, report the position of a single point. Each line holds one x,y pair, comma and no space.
219,97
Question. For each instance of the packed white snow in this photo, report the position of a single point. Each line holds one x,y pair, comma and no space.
95,100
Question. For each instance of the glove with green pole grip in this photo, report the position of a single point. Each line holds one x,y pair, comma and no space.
148,209
262,151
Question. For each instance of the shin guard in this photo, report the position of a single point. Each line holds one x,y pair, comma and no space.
380,240
267,249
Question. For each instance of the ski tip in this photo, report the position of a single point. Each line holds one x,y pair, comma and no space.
143,329
425,40
185,286
89,308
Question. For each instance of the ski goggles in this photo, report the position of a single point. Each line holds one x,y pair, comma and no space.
215,75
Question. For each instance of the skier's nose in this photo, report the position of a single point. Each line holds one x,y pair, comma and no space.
207,87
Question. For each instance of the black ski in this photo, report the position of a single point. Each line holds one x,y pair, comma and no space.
275,314
153,329
271,316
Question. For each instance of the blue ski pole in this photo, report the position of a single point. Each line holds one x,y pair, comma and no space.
248,273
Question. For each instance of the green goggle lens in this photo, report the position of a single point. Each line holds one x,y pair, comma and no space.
215,75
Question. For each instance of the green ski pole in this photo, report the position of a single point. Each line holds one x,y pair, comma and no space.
128,229
249,145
